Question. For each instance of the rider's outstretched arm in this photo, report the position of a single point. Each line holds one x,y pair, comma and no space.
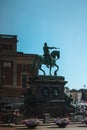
53,48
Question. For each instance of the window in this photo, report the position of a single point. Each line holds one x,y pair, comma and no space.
7,64
24,80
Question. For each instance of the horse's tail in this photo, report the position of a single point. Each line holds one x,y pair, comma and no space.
34,65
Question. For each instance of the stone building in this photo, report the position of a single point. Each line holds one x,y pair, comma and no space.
14,67
76,95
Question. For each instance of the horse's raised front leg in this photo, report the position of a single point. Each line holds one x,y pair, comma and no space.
55,72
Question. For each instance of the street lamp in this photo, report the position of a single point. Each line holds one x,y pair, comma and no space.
84,86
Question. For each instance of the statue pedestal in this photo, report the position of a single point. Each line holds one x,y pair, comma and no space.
49,92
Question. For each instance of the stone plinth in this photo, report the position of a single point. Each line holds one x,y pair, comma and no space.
49,92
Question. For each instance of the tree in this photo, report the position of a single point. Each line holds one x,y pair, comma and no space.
68,100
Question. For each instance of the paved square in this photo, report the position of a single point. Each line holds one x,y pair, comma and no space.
73,126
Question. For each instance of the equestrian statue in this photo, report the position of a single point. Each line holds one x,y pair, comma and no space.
48,59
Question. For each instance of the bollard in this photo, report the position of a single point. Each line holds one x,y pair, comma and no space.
46,118
18,119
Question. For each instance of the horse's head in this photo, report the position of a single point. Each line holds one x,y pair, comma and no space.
55,54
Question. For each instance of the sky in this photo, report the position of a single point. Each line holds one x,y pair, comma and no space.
60,23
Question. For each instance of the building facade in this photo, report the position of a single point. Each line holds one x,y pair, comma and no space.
14,66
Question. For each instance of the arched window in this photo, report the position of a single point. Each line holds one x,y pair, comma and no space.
55,92
45,92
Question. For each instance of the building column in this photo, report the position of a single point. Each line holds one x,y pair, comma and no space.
14,73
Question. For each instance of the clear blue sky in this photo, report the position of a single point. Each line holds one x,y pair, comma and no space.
60,23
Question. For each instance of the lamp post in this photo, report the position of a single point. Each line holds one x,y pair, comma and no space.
84,93
84,86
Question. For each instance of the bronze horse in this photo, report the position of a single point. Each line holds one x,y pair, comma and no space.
49,61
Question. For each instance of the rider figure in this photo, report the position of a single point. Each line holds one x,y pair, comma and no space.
47,52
